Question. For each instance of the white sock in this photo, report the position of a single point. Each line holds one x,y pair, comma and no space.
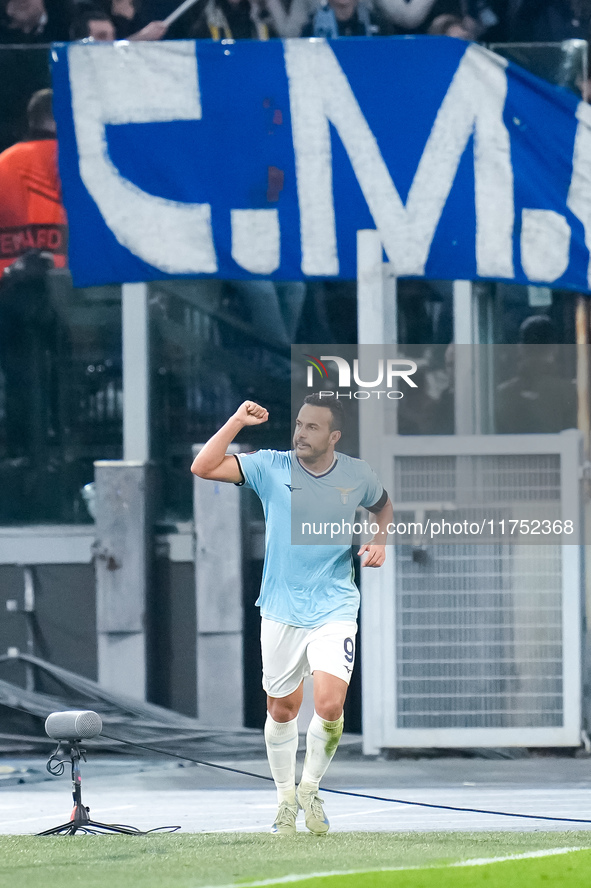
282,746
321,744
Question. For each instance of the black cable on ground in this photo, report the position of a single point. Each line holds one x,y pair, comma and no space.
357,795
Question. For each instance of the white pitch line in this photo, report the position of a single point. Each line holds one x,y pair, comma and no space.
483,861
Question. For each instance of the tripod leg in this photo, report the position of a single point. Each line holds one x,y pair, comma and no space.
80,820
64,828
72,827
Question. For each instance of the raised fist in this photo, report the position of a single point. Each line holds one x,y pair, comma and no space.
251,414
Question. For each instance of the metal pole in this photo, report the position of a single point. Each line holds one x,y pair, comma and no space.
583,423
464,338
218,589
583,387
377,313
463,313
29,609
136,372
376,293
123,571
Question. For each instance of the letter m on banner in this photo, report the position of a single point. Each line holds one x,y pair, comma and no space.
320,93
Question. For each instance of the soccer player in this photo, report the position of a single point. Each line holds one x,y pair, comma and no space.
308,597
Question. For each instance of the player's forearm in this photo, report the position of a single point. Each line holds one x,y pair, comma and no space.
382,518
211,456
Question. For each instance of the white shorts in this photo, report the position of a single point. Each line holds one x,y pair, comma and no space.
290,653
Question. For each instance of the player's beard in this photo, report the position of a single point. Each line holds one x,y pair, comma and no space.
310,454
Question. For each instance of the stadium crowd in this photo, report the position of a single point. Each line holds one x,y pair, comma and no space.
44,21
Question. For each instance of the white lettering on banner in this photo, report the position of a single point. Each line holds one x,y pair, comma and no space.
579,195
545,245
256,240
320,93
128,83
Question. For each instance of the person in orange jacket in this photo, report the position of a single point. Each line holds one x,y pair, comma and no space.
33,240
32,215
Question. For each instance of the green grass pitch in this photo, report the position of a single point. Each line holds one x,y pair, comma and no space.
193,861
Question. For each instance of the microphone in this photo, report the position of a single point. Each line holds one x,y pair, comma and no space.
73,725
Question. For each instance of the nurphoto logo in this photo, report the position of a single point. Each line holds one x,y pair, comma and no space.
387,372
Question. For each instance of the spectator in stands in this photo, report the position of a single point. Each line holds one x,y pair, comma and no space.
127,18
538,399
397,15
483,19
407,16
417,411
274,308
231,20
453,26
93,23
549,20
444,420
126,29
488,16
33,21
32,240
342,18
290,16
31,211
96,24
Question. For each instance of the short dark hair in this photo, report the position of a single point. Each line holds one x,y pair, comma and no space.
80,27
537,330
332,404
40,111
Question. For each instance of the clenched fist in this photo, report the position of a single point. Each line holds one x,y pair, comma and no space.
251,414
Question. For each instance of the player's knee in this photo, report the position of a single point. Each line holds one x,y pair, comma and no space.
328,708
282,709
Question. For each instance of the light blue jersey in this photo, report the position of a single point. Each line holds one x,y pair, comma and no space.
308,585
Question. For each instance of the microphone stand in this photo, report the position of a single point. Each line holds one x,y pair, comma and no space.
79,820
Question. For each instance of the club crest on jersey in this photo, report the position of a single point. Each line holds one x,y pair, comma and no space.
345,491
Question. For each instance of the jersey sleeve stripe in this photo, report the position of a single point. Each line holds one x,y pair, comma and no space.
239,483
377,507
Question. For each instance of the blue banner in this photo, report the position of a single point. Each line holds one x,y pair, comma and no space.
248,159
